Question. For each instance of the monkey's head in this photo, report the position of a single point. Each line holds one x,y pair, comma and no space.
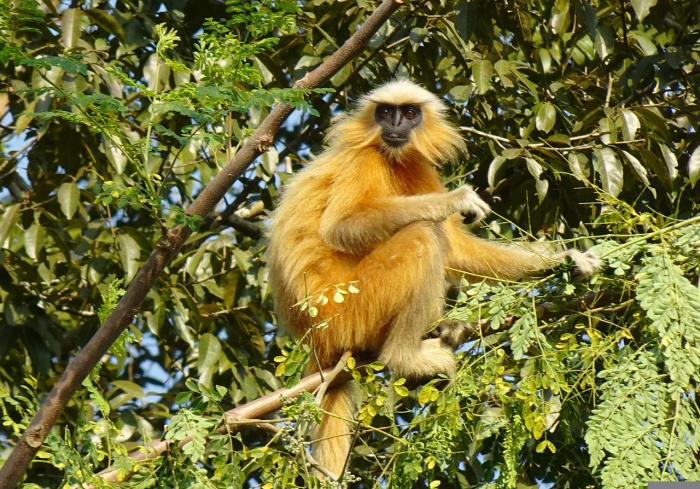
403,121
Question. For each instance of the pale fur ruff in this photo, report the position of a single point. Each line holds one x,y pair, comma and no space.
444,142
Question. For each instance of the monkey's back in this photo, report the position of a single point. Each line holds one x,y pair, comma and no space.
300,263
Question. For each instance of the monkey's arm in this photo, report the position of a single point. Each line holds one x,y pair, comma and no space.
358,227
481,258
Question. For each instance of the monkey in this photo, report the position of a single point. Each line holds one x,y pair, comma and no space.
371,211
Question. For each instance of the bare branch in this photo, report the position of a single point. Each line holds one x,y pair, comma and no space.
247,414
167,247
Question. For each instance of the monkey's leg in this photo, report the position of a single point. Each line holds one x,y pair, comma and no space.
404,281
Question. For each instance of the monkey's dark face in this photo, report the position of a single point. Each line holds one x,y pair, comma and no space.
397,122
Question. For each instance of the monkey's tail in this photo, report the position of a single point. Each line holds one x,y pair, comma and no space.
335,434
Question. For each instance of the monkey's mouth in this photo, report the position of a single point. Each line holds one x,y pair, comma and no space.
394,140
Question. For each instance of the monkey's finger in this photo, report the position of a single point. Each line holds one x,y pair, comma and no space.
470,218
476,214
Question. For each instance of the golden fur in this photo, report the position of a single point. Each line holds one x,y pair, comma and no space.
380,216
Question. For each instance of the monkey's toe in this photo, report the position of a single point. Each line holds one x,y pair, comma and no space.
451,332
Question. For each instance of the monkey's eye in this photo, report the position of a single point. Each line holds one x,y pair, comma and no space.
384,113
410,114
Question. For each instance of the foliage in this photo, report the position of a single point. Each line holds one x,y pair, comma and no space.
583,128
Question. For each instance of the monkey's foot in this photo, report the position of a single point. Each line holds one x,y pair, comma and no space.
451,332
586,262
428,361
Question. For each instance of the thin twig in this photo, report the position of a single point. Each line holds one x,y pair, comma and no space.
485,134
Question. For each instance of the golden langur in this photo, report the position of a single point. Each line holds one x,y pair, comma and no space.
371,210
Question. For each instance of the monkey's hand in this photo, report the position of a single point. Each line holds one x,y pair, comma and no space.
470,205
586,262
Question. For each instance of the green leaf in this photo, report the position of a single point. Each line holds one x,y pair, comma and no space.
482,72
546,117
68,197
7,222
107,22
542,184
657,167
426,394
609,168
646,43
638,168
608,130
560,19
401,390
209,351
545,60
670,159
134,390
71,28
579,165
630,124
129,253
34,240
693,169
642,7
653,122
495,165
604,41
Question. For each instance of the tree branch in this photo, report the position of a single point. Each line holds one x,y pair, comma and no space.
249,413
167,247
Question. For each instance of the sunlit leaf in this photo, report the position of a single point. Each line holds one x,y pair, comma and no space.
129,253
638,168
482,72
541,183
34,240
670,159
495,165
8,221
209,351
642,7
71,28
546,117
609,168
560,19
68,196
693,167
630,124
